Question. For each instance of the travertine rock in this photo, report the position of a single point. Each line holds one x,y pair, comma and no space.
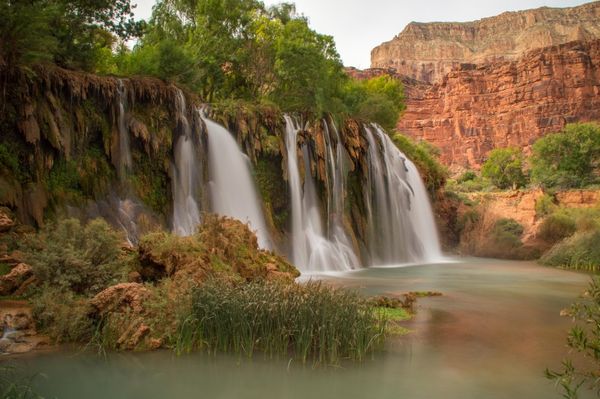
12,281
428,51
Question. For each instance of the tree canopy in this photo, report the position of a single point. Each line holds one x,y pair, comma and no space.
220,49
504,167
74,34
569,158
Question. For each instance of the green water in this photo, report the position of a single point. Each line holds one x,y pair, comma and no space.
490,336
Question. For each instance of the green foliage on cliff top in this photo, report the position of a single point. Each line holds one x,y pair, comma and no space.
568,159
424,156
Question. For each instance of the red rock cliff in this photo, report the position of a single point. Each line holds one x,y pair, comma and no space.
428,51
507,103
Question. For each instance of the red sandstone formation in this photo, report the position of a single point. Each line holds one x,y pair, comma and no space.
428,51
477,108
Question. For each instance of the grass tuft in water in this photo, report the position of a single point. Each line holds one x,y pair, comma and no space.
307,322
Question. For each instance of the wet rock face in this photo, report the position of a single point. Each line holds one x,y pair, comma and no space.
509,103
428,51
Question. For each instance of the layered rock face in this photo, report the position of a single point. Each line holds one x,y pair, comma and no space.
428,51
507,103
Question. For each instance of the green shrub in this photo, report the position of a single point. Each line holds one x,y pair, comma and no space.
581,251
62,315
424,156
504,167
508,226
469,175
557,227
467,220
568,159
80,258
310,321
544,206
583,340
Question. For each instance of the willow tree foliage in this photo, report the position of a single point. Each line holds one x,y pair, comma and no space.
568,159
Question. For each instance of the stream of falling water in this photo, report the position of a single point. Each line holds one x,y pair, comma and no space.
232,188
186,214
399,216
312,251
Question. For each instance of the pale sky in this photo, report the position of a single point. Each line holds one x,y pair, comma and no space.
359,25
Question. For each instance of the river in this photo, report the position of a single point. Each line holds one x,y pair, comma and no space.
491,335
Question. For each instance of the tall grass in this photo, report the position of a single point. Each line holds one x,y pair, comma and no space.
579,252
308,322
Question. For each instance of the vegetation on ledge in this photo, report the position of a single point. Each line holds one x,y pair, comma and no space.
215,291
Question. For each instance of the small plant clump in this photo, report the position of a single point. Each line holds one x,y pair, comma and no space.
310,321
583,340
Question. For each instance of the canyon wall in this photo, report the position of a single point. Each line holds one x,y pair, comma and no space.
477,108
428,51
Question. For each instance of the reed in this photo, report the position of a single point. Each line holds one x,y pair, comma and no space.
307,322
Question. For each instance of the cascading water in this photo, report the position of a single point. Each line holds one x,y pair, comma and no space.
336,172
399,217
186,214
126,207
124,148
311,250
231,186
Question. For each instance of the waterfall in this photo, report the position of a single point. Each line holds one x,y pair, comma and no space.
311,250
232,189
185,171
335,209
126,207
124,150
399,217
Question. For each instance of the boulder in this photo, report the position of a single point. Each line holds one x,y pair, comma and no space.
120,298
7,221
11,282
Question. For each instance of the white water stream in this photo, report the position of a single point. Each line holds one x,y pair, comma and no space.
232,188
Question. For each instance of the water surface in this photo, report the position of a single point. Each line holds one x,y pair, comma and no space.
491,335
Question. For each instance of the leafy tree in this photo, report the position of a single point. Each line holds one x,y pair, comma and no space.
379,99
568,159
72,33
25,34
504,167
238,49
